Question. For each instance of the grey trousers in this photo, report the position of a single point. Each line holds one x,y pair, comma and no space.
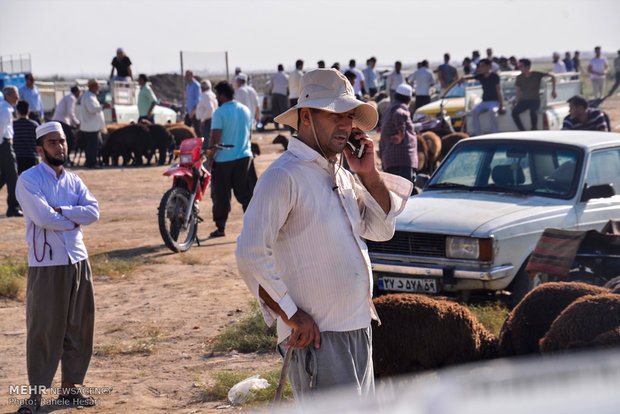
60,318
344,359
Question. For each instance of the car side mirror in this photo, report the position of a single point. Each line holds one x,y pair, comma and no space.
598,191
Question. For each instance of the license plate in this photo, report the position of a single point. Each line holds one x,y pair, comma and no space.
405,284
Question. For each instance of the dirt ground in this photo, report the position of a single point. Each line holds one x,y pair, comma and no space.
187,298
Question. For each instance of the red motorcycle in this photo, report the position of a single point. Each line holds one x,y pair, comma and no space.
178,209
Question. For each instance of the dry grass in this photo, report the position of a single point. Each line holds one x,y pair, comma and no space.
250,334
492,316
13,274
143,342
224,381
115,268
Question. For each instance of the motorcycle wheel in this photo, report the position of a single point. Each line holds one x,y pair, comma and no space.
172,208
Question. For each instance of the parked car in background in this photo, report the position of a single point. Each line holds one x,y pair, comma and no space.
480,215
452,101
552,110
123,100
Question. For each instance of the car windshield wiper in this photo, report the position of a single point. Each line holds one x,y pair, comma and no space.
450,185
500,189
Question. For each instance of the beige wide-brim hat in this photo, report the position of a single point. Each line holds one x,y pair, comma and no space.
329,90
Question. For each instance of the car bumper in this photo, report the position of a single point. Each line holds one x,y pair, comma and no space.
450,278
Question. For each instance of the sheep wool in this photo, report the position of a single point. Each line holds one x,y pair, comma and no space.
421,333
532,317
586,321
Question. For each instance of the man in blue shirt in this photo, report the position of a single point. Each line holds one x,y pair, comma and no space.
232,169
60,303
192,97
30,93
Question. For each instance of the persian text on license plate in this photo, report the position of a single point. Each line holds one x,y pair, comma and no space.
402,284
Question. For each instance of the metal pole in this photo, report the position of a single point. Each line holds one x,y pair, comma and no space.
226,54
181,56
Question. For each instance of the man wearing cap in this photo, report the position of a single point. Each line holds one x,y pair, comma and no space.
206,107
60,308
65,114
399,145
8,162
93,122
192,97
122,64
301,251
30,93
233,167
246,95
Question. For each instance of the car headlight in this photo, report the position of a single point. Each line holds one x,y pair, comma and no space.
186,159
459,113
469,248
420,117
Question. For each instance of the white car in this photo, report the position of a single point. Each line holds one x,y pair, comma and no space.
480,215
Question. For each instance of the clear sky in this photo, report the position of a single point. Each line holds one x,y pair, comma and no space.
79,37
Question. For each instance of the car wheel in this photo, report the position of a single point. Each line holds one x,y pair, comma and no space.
519,287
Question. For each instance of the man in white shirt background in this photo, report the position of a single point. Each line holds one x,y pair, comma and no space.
279,92
371,77
205,109
422,80
359,87
558,65
394,79
247,95
598,68
65,114
301,250
93,122
60,308
8,161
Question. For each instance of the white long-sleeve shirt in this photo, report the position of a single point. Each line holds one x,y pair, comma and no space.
6,121
65,111
303,242
39,191
248,96
206,106
92,113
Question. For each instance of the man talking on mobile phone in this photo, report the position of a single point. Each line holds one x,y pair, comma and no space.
301,250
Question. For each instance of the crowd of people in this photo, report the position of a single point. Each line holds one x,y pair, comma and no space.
302,243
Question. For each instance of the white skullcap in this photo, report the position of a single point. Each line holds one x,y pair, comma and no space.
242,77
404,89
48,128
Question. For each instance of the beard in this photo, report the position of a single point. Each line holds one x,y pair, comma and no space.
52,160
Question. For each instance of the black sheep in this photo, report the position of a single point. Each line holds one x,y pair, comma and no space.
162,141
583,322
532,317
420,333
130,142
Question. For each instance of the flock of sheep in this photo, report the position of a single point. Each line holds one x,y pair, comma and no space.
422,333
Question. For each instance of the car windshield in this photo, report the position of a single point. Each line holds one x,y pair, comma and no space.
456,91
520,167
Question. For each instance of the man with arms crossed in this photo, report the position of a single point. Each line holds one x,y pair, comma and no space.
301,250
60,307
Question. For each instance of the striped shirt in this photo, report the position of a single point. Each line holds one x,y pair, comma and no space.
25,138
595,121
302,241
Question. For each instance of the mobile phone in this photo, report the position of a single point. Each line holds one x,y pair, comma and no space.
355,143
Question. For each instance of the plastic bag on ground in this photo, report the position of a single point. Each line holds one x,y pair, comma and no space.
240,392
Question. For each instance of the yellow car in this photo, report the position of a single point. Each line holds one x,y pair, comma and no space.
453,101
